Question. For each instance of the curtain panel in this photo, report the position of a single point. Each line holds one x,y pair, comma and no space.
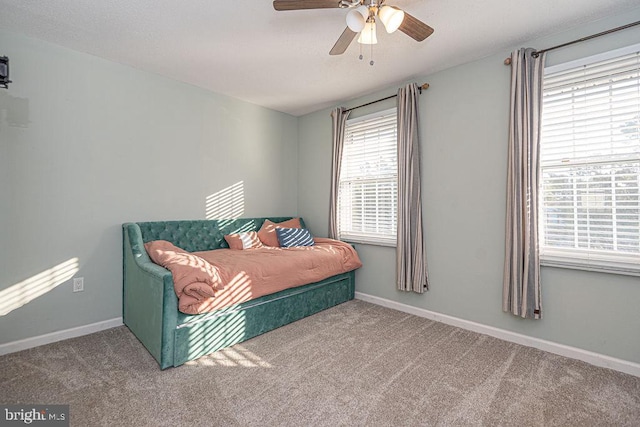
339,118
521,294
411,263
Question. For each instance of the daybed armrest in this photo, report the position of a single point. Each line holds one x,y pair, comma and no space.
149,300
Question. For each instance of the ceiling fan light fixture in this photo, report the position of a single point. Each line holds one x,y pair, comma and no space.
361,21
355,20
368,34
391,17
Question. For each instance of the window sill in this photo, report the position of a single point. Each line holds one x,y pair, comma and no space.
596,265
368,242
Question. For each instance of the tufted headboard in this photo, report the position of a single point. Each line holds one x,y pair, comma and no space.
198,235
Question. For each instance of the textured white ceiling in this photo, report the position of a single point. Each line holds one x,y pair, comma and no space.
280,60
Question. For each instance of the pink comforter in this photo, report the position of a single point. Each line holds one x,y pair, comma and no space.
211,280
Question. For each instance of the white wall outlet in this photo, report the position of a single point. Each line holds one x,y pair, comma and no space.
78,284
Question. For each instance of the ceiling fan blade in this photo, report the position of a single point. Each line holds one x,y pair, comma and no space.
304,4
415,28
343,42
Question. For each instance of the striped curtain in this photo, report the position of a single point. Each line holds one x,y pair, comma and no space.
411,262
339,119
521,294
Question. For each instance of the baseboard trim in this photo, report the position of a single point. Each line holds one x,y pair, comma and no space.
27,343
593,358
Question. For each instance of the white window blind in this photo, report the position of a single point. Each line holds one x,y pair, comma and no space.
368,193
590,165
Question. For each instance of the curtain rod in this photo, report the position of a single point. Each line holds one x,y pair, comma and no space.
424,86
593,36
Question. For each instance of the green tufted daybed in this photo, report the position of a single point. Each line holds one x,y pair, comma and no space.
150,305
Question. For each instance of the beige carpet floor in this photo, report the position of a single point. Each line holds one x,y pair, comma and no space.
353,365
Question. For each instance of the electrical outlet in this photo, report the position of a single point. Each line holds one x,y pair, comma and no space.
78,284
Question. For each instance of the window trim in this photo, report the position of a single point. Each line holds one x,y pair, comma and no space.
588,60
592,261
363,238
597,261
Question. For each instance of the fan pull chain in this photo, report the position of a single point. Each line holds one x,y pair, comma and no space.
371,35
371,56
360,46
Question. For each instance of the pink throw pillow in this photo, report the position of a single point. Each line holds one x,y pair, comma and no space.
267,232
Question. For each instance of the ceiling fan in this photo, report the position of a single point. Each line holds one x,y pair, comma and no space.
362,19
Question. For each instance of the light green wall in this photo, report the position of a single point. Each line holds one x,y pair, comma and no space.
464,123
87,144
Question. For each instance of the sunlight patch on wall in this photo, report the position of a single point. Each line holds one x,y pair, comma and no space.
22,293
226,203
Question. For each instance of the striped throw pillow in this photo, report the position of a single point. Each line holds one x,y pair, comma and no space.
289,237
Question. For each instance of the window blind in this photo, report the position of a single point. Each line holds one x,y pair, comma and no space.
368,192
590,164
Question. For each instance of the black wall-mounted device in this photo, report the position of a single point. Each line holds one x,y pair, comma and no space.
4,72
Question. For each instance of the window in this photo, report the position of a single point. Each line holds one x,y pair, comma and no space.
590,163
368,192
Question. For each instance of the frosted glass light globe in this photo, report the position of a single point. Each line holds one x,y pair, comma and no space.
391,18
356,18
